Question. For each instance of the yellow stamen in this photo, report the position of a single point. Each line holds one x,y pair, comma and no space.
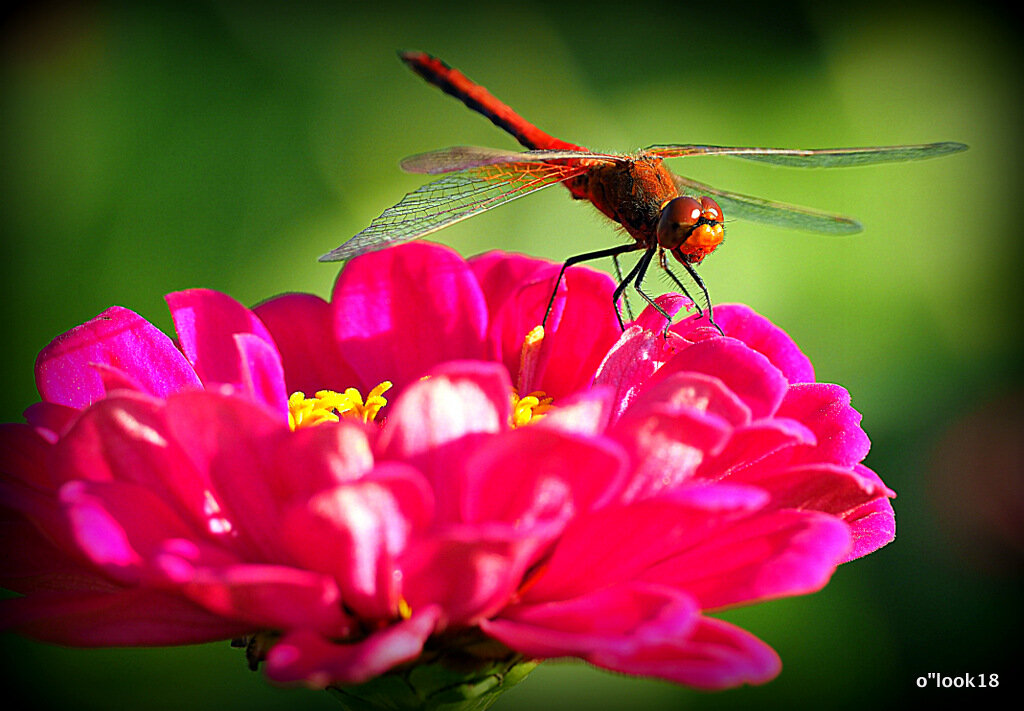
529,408
331,406
529,357
404,610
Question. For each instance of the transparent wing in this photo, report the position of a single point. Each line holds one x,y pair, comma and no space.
451,199
449,160
758,209
818,157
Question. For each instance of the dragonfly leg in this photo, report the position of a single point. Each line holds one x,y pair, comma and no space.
601,253
619,280
707,297
623,283
682,287
639,272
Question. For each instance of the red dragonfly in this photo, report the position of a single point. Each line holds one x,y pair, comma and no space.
663,212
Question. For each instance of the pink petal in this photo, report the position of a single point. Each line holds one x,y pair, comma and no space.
127,438
436,421
232,443
302,327
207,322
623,542
50,419
826,410
631,362
873,524
262,377
743,323
466,572
270,596
762,445
303,655
587,330
587,412
614,620
136,617
716,655
543,473
667,445
399,312
747,373
354,533
119,338
767,555
119,526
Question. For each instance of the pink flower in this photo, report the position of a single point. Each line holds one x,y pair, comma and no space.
171,494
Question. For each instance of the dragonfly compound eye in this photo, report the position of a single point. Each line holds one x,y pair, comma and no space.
678,218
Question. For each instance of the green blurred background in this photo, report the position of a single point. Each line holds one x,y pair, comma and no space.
151,148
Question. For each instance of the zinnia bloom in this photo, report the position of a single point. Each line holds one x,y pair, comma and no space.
414,472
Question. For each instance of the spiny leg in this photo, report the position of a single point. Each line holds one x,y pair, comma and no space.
625,282
707,297
641,271
619,280
682,287
610,252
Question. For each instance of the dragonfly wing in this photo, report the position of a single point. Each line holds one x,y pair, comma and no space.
816,157
757,209
451,199
449,160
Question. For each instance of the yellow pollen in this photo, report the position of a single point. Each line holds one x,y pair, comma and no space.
404,610
331,406
530,408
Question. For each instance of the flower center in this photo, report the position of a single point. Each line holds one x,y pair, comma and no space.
529,408
331,406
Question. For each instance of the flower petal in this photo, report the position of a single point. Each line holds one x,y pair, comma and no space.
826,410
399,312
612,621
303,655
119,338
302,327
716,655
139,617
207,323
741,322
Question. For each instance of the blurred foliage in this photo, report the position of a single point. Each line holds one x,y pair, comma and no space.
147,148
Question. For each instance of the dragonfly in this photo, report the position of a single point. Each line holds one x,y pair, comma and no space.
663,212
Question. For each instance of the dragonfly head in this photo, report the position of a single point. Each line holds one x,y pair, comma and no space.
690,228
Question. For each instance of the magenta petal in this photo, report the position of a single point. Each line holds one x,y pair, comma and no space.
630,364
231,443
470,572
587,330
747,373
305,656
262,376
826,410
50,419
207,322
741,322
126,438
458,399
614,621
119,338
623,542
270,596
767,555
139,617
354,532
399,312
873,524
716,655
302,327
565,476
119,526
